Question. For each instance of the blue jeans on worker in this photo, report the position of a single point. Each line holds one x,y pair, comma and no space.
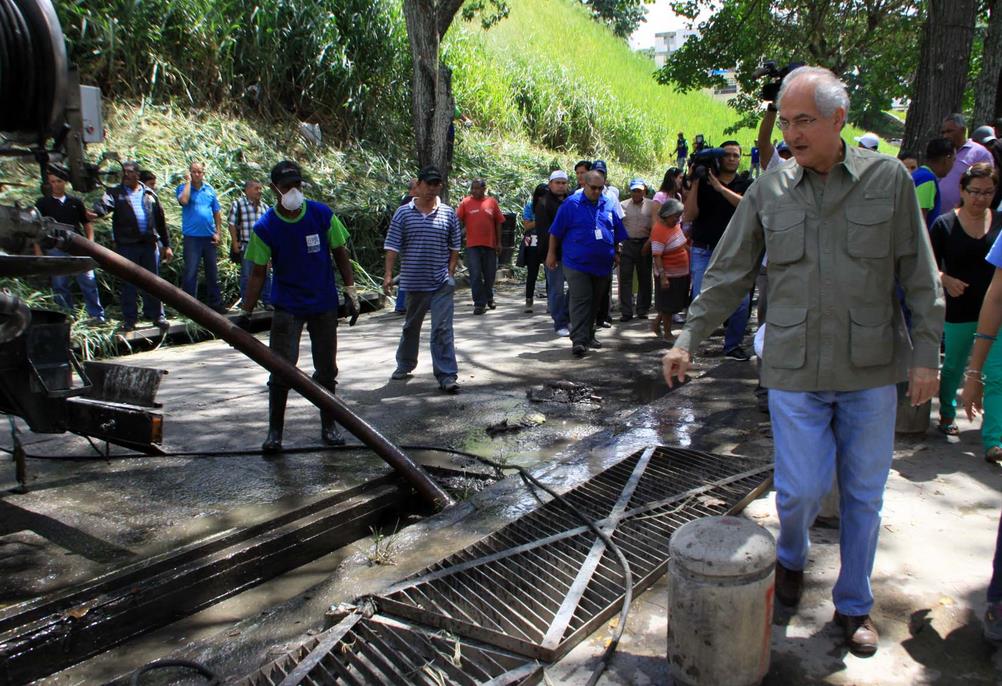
558,297
809,430
88,286
246,266
146,256
200,249
401,303
734,334
443,348
483,265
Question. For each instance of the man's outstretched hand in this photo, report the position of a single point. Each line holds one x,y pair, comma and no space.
675,364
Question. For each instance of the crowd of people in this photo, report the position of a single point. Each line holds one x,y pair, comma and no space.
866,267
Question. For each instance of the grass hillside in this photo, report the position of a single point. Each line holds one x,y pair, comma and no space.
545,87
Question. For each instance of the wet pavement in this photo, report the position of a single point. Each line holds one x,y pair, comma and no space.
81,519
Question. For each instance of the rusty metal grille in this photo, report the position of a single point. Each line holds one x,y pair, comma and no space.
544,582
381,650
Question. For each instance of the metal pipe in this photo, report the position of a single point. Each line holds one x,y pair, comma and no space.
289,374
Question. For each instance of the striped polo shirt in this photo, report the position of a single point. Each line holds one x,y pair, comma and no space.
424,242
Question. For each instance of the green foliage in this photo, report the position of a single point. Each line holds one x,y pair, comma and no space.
590,96
622,16
872,46
340,62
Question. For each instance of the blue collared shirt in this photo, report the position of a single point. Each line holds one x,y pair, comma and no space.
197,216
588,233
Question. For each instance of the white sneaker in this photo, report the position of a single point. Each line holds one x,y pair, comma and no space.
564,332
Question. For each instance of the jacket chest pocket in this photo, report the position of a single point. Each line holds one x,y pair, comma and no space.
784,235
869,234
785,336
871,336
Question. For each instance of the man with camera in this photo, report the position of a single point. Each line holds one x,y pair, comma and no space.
716,191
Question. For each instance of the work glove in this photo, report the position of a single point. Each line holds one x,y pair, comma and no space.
243,320
352,300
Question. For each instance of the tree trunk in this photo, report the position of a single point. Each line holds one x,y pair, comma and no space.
986,86
432,103
939,83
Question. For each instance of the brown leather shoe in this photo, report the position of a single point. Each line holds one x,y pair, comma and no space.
789,585
860,634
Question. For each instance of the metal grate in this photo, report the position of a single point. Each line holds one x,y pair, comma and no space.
380,651
544,582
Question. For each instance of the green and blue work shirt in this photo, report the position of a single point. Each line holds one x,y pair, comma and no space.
300,253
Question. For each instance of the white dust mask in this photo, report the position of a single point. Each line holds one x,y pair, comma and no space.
292,200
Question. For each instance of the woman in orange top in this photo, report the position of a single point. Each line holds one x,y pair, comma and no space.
669,247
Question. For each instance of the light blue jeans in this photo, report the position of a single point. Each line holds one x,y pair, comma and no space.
88,286
734,334
443,349
557,297
246,267
199,249
809,431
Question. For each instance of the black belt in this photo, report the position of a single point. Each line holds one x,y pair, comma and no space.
702,246
643,240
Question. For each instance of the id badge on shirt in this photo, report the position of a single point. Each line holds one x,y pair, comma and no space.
598,234
312,243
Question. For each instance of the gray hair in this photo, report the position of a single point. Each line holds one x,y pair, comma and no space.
829,92
671,206
957,118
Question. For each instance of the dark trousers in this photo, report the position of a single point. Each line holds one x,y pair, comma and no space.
995,587
533,260
631,260
200,249
287,329
586,291
483,264
147,257
603,305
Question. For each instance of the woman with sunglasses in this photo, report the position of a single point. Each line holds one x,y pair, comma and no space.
961,239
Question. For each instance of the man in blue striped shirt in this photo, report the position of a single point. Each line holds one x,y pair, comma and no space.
425,233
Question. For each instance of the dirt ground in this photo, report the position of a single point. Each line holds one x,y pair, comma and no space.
84,518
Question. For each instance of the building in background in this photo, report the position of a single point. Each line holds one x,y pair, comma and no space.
667,42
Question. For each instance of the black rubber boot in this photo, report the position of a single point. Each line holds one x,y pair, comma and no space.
276,419
329,433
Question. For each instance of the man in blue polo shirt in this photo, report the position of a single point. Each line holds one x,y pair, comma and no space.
425,233
939,158
586,232
201,227
298,237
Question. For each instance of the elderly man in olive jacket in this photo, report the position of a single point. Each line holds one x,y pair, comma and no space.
840,226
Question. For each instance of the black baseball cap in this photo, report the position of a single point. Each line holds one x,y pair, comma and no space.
59,171
430,173
599,166
286,171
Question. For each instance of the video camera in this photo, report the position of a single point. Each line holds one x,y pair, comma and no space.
774,76
707,159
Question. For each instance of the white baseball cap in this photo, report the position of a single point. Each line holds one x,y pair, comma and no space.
558,175
868,141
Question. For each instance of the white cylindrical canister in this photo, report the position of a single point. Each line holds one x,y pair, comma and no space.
720,591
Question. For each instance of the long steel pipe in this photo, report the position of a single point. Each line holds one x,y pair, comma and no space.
112,262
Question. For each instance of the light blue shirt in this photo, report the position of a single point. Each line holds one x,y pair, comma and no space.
136,200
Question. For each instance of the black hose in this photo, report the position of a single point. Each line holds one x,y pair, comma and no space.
173,663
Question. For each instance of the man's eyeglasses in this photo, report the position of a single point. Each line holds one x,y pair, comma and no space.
596,188
800,123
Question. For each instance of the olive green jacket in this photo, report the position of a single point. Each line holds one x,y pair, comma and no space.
834,252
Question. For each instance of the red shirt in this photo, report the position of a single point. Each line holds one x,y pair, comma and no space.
481,219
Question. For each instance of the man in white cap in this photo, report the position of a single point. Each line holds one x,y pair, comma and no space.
868,141
545,209
637,218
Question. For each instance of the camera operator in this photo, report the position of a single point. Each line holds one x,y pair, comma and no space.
770,90
709,206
